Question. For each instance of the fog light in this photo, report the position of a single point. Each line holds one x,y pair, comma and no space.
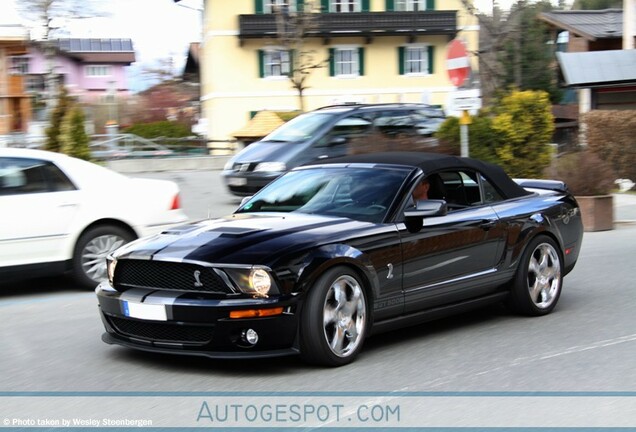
250,336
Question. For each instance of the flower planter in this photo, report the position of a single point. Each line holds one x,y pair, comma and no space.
597,212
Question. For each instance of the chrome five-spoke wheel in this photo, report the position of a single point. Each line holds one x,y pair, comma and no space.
537,284
344,316
333,322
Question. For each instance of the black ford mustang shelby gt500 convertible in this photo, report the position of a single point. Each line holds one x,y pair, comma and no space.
328,254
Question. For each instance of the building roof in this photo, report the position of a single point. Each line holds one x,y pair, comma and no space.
598,68
260,125
98,50
589,24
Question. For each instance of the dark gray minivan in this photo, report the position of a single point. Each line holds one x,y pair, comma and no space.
323,133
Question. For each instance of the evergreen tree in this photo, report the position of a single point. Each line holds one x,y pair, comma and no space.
528,58
73,139
55,124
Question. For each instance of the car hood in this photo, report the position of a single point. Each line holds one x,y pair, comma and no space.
254,238
267,151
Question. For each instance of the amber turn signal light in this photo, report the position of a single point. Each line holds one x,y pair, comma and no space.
253,313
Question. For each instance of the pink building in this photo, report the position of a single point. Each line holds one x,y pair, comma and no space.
91,69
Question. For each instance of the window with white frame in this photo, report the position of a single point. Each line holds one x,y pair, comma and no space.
345,6
410,5
416,59
97,70
346,62
19,65
274,63
272,6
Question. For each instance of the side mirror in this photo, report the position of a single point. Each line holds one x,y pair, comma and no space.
414,217
244,200
427,208
337,140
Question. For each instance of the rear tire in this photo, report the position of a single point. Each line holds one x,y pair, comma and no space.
537,285
334,319
91,250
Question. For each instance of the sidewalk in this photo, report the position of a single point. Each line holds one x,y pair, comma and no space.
624,208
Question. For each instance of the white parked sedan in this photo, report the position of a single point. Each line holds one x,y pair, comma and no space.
60,214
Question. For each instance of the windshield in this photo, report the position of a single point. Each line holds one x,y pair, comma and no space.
363,194
299,128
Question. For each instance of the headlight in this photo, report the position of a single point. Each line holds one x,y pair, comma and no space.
228,165
255,281
111,263
271,167
260,281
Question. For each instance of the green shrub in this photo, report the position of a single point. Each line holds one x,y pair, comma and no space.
73,138
524,125
167,129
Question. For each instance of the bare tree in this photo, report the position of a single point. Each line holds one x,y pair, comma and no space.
496,31
49,18
293,28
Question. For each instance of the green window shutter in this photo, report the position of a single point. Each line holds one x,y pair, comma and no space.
361,61
292,53
324,6
431,52
401,60
261,64
389,5
332,62
300,5
365,6
258,6
430,4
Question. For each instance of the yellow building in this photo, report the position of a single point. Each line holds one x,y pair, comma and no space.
371,51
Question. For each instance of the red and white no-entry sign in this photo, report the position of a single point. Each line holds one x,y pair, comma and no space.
457,63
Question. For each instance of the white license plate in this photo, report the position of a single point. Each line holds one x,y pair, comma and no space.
236,181
145,311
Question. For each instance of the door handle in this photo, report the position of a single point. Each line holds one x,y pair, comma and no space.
486,224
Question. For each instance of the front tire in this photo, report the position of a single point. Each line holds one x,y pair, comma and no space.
91,250
334,319
539,279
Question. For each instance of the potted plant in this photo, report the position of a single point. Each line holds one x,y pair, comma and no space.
591,180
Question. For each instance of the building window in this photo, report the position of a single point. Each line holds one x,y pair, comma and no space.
19,65
274,63
272,6
97,71
410,5
415,60
345,6
346,62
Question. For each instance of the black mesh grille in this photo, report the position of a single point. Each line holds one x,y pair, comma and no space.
168,276
162,332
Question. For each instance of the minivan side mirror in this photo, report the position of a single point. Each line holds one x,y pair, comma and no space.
337,140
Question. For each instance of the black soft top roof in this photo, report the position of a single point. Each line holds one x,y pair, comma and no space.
431,163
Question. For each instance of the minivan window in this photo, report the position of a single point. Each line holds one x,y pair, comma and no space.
299,128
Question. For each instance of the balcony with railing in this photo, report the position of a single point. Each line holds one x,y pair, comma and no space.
365,24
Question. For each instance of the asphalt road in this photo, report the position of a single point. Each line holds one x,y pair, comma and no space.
50,338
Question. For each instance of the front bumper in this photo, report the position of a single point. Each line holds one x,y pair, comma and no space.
194,324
